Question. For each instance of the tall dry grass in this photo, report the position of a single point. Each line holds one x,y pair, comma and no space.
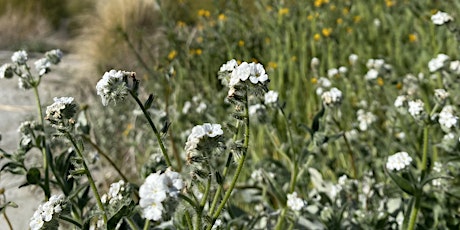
103,40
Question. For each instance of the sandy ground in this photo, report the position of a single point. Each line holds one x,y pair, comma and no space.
17,105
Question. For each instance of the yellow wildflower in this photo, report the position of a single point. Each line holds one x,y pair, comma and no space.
222,17
399,85
172,55
339,21
240,43
412,38
199,39
357,18
181,24
204,13
283,11
198,51
345,11
267,40
380,81
128,128
390,3
326,32
314,80
310,17
272,65
294,58
316,37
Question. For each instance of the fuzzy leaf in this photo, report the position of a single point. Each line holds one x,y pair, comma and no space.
402,183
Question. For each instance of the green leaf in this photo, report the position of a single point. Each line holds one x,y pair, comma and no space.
402,183
149,102
315,124
33,176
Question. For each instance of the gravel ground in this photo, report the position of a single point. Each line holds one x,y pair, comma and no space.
17,105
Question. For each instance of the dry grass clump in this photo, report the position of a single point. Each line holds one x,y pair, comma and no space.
111,31
19,26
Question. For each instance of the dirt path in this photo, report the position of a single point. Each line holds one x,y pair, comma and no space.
17,105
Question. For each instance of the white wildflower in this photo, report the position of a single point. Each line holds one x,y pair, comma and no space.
437,167
217,224
112,87
42,65
365,119
19,57
257,73
437,62
371,74
399,102
343,70
201,107
415,108
294,203
332,97
441,17
352,59
455,66
441,94
241,73
271,97
332,72
46,211
186,107
398,161
229,66
447,118
199,132
54,56
254,109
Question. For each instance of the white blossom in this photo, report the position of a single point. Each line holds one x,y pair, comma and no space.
271,97
365,119
294,203
415,108
46,211
314,63
441,94
398,161
332,72
437,62
332,97
42,65
447,118
229,66
399,102
441,17
257,73
455,66
112,87
352,59
19,57
371,74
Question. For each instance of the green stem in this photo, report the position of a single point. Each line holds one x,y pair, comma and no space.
90,178
238,169
131,223
414,212
70,220
224,175
43,147
99,150
425,150
147,224
155,130
279,224
189,220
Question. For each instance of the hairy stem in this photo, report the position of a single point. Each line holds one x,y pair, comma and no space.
43,147
90,178
238,169
155,130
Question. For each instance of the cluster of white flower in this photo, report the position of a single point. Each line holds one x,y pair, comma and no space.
255,72
447,118
63,107
398,161
229,66
54,56
19,57
332,97
365,119
416,108
323,83
201,131
375,66
271,97
115,192
295,203
336,72
441,94
112,87
45,212
438,62
440,18
399,102
158,188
